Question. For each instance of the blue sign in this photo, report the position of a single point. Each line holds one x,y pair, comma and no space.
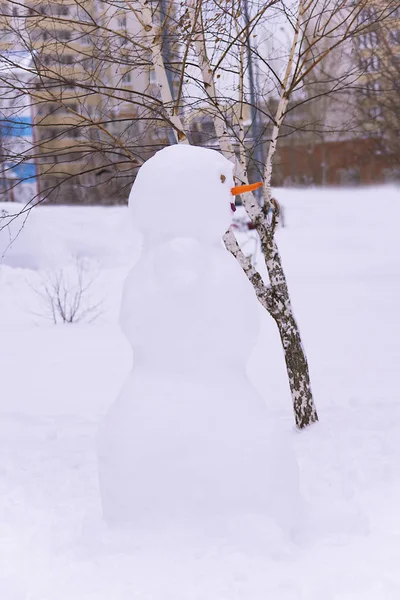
14,132
16,127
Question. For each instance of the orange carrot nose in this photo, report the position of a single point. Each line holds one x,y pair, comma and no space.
242,189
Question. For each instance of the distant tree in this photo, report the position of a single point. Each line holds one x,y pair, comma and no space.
66,295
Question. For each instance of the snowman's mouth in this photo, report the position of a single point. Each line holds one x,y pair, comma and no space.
233,207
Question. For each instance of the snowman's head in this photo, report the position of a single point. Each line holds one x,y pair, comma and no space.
183,191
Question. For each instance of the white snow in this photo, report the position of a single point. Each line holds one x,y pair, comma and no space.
341,254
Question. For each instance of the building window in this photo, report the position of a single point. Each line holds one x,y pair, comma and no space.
373,86
65,59
368,40
74,133
83,15
6,36
122,22
49,133
63,35
374,112
372,64
71,105
126,77
61,9
50,108
87,63
368,15
153,77
394,37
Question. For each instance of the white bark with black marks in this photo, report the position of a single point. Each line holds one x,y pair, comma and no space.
274,298
154,43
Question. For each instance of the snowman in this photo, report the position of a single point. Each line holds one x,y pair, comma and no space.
189,437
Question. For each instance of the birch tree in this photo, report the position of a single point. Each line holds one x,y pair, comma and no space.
275,297
319,29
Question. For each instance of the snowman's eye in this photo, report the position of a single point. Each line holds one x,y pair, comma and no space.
223,178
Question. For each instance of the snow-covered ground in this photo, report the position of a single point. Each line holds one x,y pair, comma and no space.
341,251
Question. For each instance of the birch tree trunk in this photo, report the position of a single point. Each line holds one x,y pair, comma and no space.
154,43
295,357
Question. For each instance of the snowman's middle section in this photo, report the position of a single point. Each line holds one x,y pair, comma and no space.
188,308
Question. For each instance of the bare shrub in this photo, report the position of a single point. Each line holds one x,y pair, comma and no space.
67,295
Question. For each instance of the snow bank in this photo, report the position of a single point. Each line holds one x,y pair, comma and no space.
50,237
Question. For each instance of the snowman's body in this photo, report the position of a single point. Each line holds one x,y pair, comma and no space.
188,434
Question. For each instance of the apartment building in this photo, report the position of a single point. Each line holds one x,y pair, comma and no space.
378,55
351,136
91,89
